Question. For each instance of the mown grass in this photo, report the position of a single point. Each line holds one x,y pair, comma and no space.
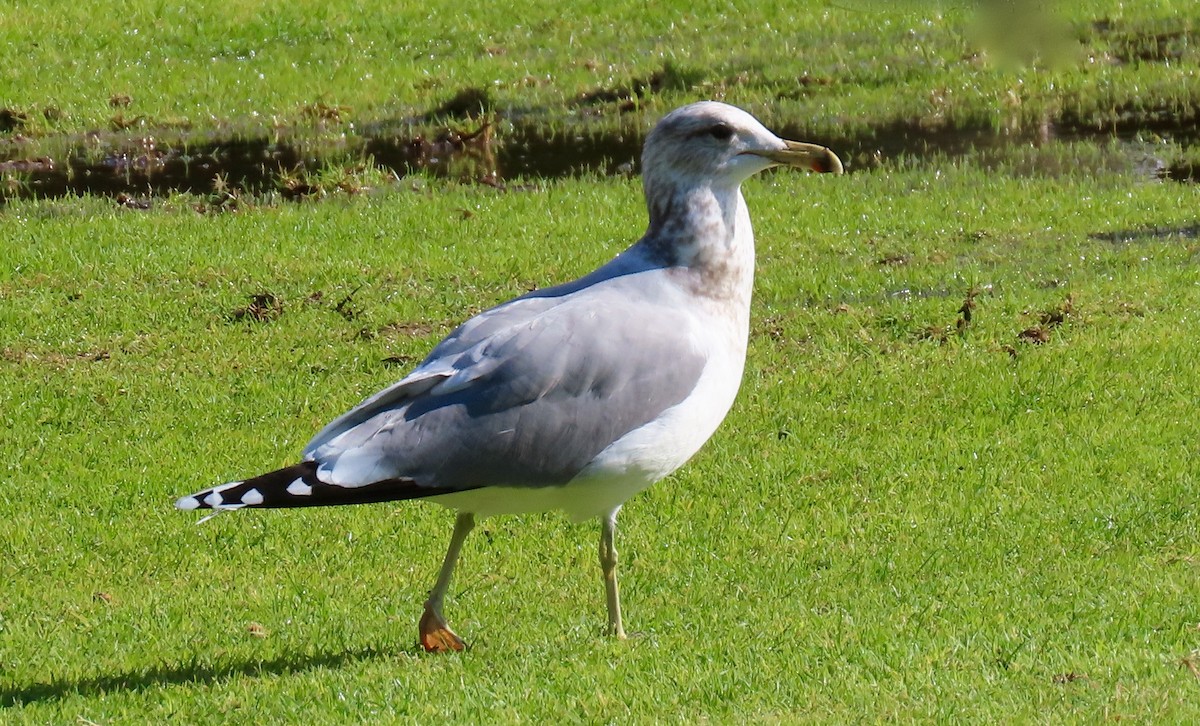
338,68
903,516
908,514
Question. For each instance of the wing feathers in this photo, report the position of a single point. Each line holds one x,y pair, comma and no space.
298,486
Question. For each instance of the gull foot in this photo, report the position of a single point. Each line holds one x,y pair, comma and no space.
436,635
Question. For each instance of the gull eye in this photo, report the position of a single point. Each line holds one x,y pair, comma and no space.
721,132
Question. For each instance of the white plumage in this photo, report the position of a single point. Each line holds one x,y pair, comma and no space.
578,396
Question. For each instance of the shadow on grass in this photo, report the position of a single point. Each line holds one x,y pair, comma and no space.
185,673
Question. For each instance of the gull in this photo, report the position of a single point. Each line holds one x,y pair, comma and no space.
573,397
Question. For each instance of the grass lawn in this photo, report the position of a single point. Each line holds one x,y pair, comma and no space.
144,68
958,483
903,516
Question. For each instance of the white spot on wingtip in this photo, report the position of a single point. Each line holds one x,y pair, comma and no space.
299,489
252,498
213,499
187,503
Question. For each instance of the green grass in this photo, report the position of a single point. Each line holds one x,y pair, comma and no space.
906,516
260,66
899,518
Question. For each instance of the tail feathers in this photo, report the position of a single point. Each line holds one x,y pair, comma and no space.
298,486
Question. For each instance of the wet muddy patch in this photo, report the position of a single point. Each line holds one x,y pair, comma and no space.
1156,233
1149,146
486,148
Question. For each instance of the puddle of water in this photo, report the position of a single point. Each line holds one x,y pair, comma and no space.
251,164
527,152
117,165
1046,150
1184,171
1149,234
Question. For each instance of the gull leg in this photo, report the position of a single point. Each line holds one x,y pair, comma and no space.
608,565
436,635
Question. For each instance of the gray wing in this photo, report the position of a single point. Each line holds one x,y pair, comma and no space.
525,394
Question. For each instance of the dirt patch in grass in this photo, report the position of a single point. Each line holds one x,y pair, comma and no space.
399,361
966,311
1048,321
345,307
1036,335
1057,315
263,308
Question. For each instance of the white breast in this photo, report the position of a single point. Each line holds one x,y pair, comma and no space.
648,453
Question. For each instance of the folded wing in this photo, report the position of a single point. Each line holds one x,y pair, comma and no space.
525,394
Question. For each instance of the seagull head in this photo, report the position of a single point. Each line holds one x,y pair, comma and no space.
717,145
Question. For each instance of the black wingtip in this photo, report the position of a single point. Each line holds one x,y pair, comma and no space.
298,486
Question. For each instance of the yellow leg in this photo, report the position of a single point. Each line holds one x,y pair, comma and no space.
608,565
436,635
